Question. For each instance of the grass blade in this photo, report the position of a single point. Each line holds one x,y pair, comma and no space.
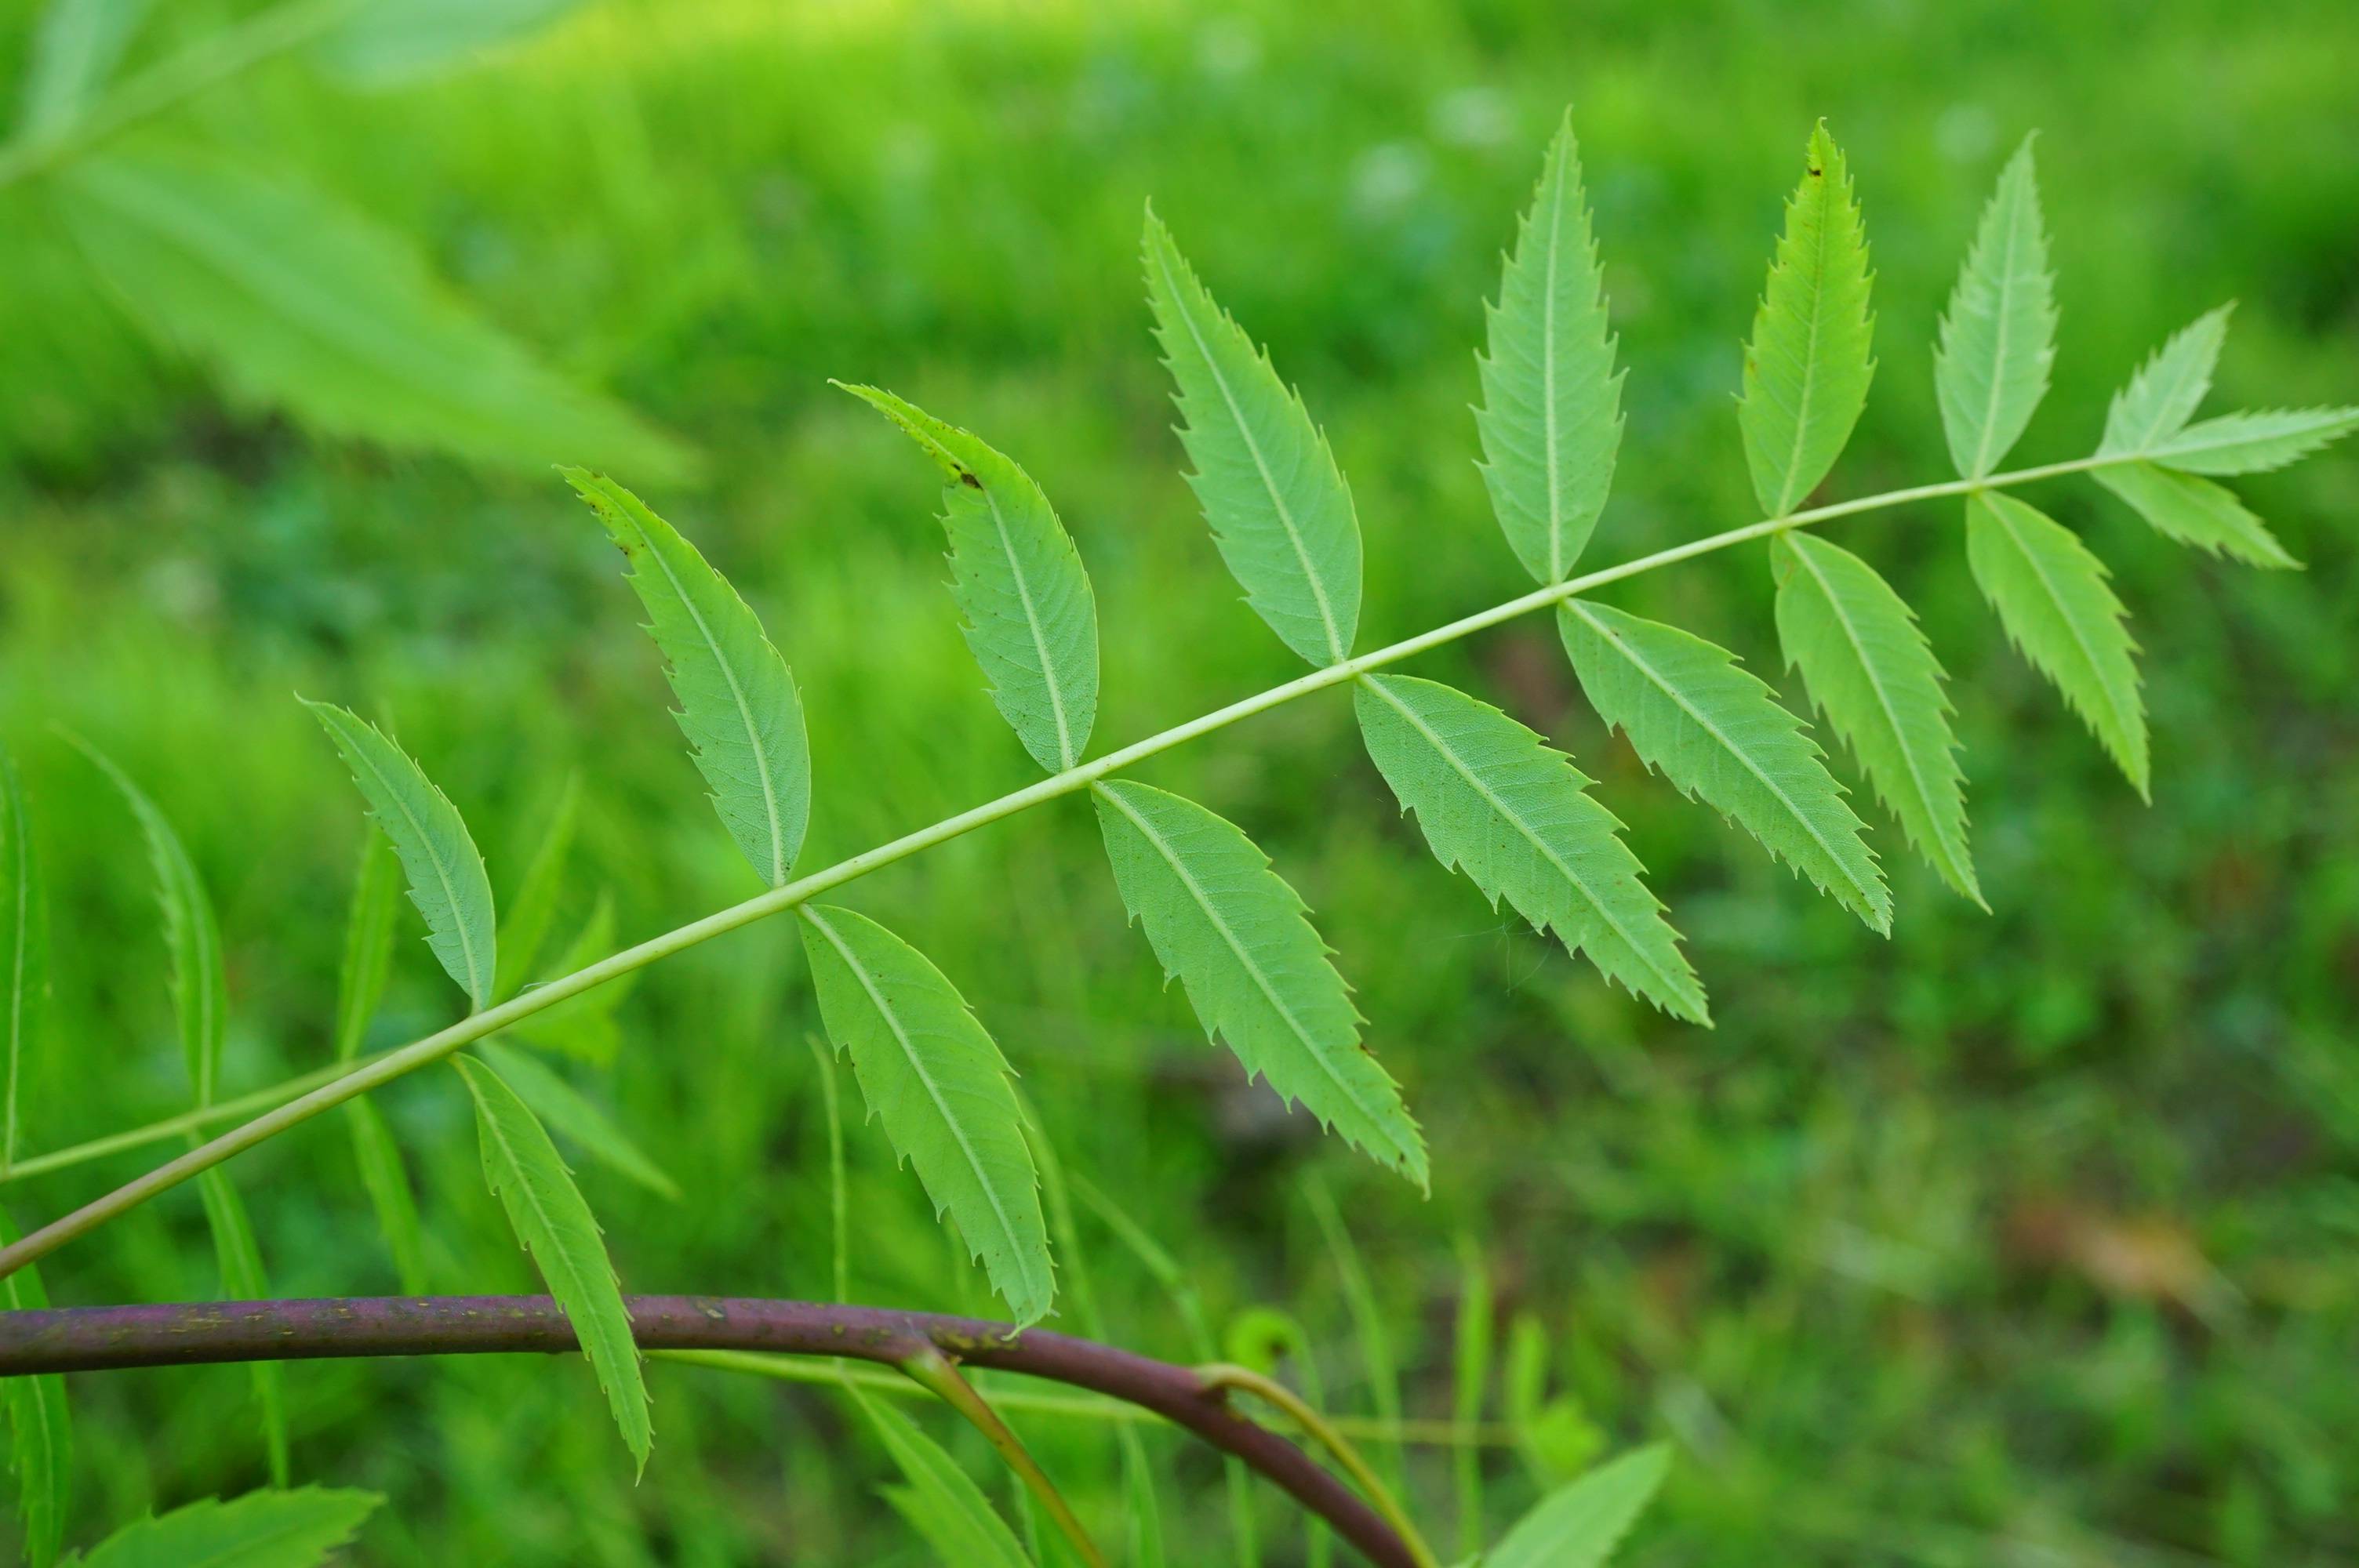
1470,1389
941,1502
525,925
260,1530
561,1106
2194,511
243,1280
1257,974
1497,803
2051,596
1551,421
1383,1372
40,1431
1031,618
1998,337
1874,676
556,1226
368,944
24,948
934,1077
1715,730
738,706
1579,1526
1279,509
1808,366
386,1178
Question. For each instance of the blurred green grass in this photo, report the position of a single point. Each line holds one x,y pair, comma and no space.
2027,1239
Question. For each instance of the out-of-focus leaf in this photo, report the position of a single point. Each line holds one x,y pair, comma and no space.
302,304
525,925
2195,511
582,1124
941,1502
368,943
386,1178
384,43
40,1429
243,1280
75,49
260,1530
1579,1526
24,947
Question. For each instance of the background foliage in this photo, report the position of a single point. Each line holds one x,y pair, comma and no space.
2027,1238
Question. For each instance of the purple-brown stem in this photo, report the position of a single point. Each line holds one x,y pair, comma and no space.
91,1339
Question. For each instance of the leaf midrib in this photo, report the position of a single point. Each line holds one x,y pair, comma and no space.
1621,645
1261,981
2071,621
1786,496
2006,283
1032,623
1285,513
1548,378
442,871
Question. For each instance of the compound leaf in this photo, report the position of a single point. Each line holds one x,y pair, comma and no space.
2253,441
561,1106
261,1530
243,1280
40,1429
2051,596
2161,397
2194,511
199,992
1579,1526
1279,509
447,880
1998,338
1874,676
941,1502
556,1226
305,304
1552,417
935,1078
1258,975
1807,368
737,702
1496,802
1713,730
1031,619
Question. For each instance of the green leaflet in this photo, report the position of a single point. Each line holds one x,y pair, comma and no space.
24,948
1552,417
2194,511
1279,509
368,944
1031,619
384,43
1497,804
561,1106
40,1429
1713,730
386,1178
1807,368
189,931
1580,1524
737,702
2051,597
1998,338
941,1502
2254,441
302,303
447,880
1874,676
260,1530
2161,397
243,1280
546,1210
525,925
75,51
937,1081
1254,970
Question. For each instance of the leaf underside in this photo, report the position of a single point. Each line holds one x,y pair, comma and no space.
303,303
1705,723
2195,511
261,1530
1551,421
2051,596
1279,509
2253,441
941,1502
447,880
1031,618
738,706
556,1226
1808,365
1579,1526
1258,975
932,1075
1497,803
1998,337
1872,672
